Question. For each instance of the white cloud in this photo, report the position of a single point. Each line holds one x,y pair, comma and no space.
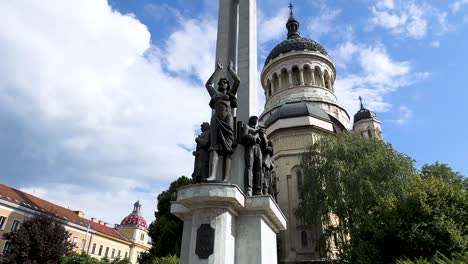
456,6
323,23
390,4
268,27
405,114
192,48
378,76
435,43
344,53
408,18
88,111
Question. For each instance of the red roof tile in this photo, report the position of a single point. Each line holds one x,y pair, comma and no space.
104,229
37,204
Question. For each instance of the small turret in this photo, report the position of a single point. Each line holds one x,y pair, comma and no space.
366,123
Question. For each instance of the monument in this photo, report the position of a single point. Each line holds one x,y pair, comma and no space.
229,216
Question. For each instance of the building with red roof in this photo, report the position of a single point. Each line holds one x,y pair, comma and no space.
97,238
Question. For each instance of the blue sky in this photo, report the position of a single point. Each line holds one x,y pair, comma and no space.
100,100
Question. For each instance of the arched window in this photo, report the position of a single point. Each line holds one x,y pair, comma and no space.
327,80
299,180
284,79
304,241
296,77
318,77
275,82
307,75
269,93
369,133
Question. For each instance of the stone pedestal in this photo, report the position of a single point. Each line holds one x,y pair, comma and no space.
223,226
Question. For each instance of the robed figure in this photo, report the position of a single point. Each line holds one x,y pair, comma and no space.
222,136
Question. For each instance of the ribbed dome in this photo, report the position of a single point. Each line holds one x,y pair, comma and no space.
297,44
294,41
296,109
363,113
135,218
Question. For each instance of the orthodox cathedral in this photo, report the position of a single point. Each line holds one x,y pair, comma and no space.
299,83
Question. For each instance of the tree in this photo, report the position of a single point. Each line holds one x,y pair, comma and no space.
344,179
375,207
40,239
166,230
444,172
431,218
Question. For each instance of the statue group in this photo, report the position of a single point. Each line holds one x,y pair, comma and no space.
217,141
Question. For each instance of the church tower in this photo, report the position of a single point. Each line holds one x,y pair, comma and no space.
366,123
135,229
299,83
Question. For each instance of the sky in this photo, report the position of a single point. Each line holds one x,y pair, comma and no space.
100,101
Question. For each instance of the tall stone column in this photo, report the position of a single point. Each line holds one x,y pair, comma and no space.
247,52
247,70
226,42
301,76
312,77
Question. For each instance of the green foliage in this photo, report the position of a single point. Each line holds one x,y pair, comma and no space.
166,231
39,240
164,260
83,258
386,210
438,259
432,217
444,172
345,177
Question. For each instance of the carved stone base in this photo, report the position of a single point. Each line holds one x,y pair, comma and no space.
223,226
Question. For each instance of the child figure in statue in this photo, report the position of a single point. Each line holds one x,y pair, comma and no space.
223,101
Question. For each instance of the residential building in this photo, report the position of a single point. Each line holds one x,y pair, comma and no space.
97,238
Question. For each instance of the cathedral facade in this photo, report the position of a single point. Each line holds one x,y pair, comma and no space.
299,83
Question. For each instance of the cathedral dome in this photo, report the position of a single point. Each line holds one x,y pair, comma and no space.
295,42
135,218
296,109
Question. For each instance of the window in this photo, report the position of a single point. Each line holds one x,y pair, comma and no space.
16,225
142,237
369,133
100,250
113,253
3,220
299,180
83,244
5,248
93,250
75,241
304,239
107,252
126,254
119,253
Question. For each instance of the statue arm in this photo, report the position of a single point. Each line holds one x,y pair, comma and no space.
210,84
236,79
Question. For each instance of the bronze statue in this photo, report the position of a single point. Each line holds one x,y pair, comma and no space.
252,139
268,166
202,154
223,101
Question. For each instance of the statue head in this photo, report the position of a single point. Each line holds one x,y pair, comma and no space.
253,120
205,126
223,85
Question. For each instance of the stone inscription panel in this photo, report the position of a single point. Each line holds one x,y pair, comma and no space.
205,241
